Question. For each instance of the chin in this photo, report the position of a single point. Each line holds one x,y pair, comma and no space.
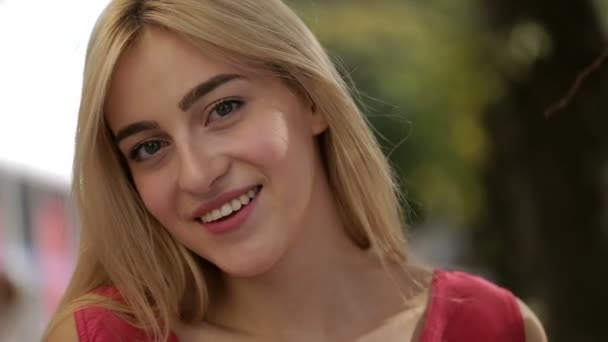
248,265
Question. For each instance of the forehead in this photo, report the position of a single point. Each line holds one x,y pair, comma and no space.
155,73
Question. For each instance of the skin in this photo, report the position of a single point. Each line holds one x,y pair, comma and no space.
266,137
291,254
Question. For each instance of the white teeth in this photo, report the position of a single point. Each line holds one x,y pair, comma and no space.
226,209
235,204
230,207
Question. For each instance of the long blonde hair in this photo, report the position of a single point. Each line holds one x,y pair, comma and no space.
122,245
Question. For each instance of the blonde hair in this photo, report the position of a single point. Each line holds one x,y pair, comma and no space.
122,245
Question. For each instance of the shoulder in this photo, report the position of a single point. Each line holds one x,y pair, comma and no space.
94,323
101,324
484,300
464,291
465,307
533,327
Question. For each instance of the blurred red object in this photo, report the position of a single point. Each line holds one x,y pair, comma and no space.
53,247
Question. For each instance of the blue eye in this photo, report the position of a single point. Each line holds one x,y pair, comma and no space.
146,150
224,108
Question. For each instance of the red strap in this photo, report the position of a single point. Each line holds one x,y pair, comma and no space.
467,308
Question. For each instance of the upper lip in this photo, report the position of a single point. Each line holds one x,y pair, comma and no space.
218,201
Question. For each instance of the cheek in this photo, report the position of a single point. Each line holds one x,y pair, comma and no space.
155,195
266,142
277,145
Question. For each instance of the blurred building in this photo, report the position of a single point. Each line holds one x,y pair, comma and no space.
38,242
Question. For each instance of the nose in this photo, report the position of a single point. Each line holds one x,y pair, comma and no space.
200,169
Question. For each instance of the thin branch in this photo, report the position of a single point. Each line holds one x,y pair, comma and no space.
582,76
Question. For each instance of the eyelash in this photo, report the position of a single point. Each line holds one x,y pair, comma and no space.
134,154
237,102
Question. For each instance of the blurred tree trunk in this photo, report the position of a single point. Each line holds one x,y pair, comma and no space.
546,233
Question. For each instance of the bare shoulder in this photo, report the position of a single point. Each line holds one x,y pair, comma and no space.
534,329
64,331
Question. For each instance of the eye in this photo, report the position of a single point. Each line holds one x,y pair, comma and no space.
223,109
146,150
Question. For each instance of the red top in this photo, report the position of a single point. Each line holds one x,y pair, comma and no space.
462,308
467,308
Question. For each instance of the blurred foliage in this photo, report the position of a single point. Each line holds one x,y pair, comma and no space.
456,91
423,82
602,10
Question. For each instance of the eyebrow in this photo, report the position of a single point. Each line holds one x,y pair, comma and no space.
205,88
134,129
186,102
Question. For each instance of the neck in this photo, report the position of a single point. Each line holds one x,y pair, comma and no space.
323,281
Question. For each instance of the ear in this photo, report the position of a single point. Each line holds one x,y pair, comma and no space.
317,122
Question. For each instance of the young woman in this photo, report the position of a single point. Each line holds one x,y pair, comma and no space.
230,190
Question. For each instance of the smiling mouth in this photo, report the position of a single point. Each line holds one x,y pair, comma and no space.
230,208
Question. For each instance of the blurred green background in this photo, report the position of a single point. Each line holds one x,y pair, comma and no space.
494,114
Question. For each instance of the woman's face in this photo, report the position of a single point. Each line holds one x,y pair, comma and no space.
223,158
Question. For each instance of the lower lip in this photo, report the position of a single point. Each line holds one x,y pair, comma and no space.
233,222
